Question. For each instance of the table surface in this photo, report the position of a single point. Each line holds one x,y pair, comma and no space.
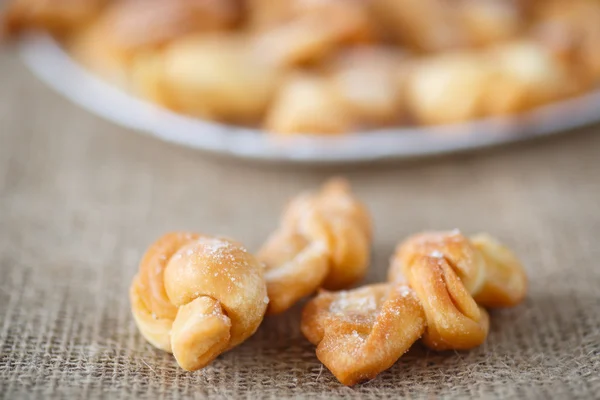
80,199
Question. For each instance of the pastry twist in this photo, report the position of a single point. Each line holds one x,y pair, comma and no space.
198,296
451,275
324,240
436,281
489,271
361,332
454,320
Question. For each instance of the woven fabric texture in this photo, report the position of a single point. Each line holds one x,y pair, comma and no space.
80,200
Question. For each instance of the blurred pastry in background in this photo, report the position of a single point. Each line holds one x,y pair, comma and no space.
307,103
125,29
333,66
504,79
209,76
59,17
369,82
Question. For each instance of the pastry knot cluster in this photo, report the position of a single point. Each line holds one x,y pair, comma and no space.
324,240
439,283
198,296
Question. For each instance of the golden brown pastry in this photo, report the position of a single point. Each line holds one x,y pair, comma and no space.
452,275
361,332
324,240
57,16
425,25
572,29
507,78
489,271
527,74
265,14
299,32
211,76
369,83
441,25
505,283
127,28
448,88
268,63
198,296
490,21
307,103
454,320
435,280
131,25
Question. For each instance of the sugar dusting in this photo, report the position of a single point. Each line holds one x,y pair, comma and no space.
216,248
222,262
357,336
405,291
347,301
436,254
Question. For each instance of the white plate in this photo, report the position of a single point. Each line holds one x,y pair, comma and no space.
52,65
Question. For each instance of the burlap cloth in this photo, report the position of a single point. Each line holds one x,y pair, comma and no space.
81,198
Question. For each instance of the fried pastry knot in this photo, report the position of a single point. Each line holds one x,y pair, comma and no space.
436,281
455,276
324,240
361,332
198,296
131,35
56,16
